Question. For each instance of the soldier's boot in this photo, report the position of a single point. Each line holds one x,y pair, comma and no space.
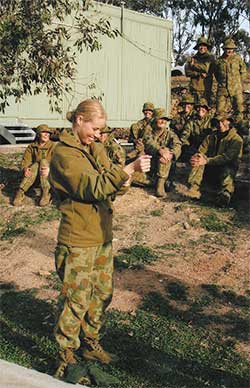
160,188
19,197
93,351
45,198
223,199
66,357
194,192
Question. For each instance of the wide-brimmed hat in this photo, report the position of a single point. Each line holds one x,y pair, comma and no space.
187,99
229,44
148,106
106,130
202,102
161,113
202,41
223,116
43,128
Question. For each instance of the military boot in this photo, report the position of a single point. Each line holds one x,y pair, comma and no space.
45,198
194,192
160,188
93,351
18,200
223,199
66,357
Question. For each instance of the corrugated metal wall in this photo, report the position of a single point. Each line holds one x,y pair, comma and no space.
128,71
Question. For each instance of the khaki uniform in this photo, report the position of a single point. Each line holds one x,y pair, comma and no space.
229,73
179,121
36,156
223,151
201,87
153,143
194,133
84,181
115,151
137,130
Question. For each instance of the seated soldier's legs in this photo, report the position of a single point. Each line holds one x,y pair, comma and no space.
223,103
45,185
162,174
226,176
25,184
194,180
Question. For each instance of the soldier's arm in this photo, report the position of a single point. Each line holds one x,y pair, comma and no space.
27,158
151,145
232,153
175,146
186,134
243,70
189,72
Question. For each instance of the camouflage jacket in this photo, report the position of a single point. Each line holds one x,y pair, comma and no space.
35,153
229,74
137,130
222,148
84,180
196,130
153,142
179,121
115,151
203,64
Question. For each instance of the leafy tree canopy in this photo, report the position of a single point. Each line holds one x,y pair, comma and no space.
38,44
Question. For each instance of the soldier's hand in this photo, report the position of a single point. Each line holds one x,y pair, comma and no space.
27,172
198,160
139,146
166,154
44,171
143,163
203,75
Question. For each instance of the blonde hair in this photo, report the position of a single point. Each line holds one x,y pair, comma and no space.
88,109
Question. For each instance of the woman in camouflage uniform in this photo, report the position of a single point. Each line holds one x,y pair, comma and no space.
84,181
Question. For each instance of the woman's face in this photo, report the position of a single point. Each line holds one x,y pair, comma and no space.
89,131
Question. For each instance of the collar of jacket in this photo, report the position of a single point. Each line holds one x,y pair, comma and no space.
231,133
37,145
67,137
204,56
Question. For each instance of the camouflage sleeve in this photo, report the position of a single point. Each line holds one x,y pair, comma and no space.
119,156
186,133
232,153
189,72
175,145
243,70
133,133
151,145
27,158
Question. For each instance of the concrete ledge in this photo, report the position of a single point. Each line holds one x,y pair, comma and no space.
12,148
15,376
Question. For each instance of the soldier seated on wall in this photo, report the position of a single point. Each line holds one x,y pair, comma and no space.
115,152
35,166
195,130
185,114
217,158
165,147
137,130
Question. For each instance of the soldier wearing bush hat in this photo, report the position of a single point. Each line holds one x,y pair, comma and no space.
114,150
165,147
219,155
196,129
230,72
179,121
200,70
35,164
137,129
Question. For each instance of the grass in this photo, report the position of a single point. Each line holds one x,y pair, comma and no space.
134,257
157,347
213,223
156,213
20,221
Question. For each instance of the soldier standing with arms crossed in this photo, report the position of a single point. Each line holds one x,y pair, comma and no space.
84,181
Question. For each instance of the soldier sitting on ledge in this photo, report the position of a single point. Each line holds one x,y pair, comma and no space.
218,156
35,165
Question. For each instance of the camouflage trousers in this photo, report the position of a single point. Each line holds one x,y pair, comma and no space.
27,182
225,103
222,175
87,276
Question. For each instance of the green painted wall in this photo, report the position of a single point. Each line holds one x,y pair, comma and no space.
128,71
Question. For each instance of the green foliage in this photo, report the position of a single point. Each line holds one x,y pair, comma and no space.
20,221
156,212
39,45
135,257
212,223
